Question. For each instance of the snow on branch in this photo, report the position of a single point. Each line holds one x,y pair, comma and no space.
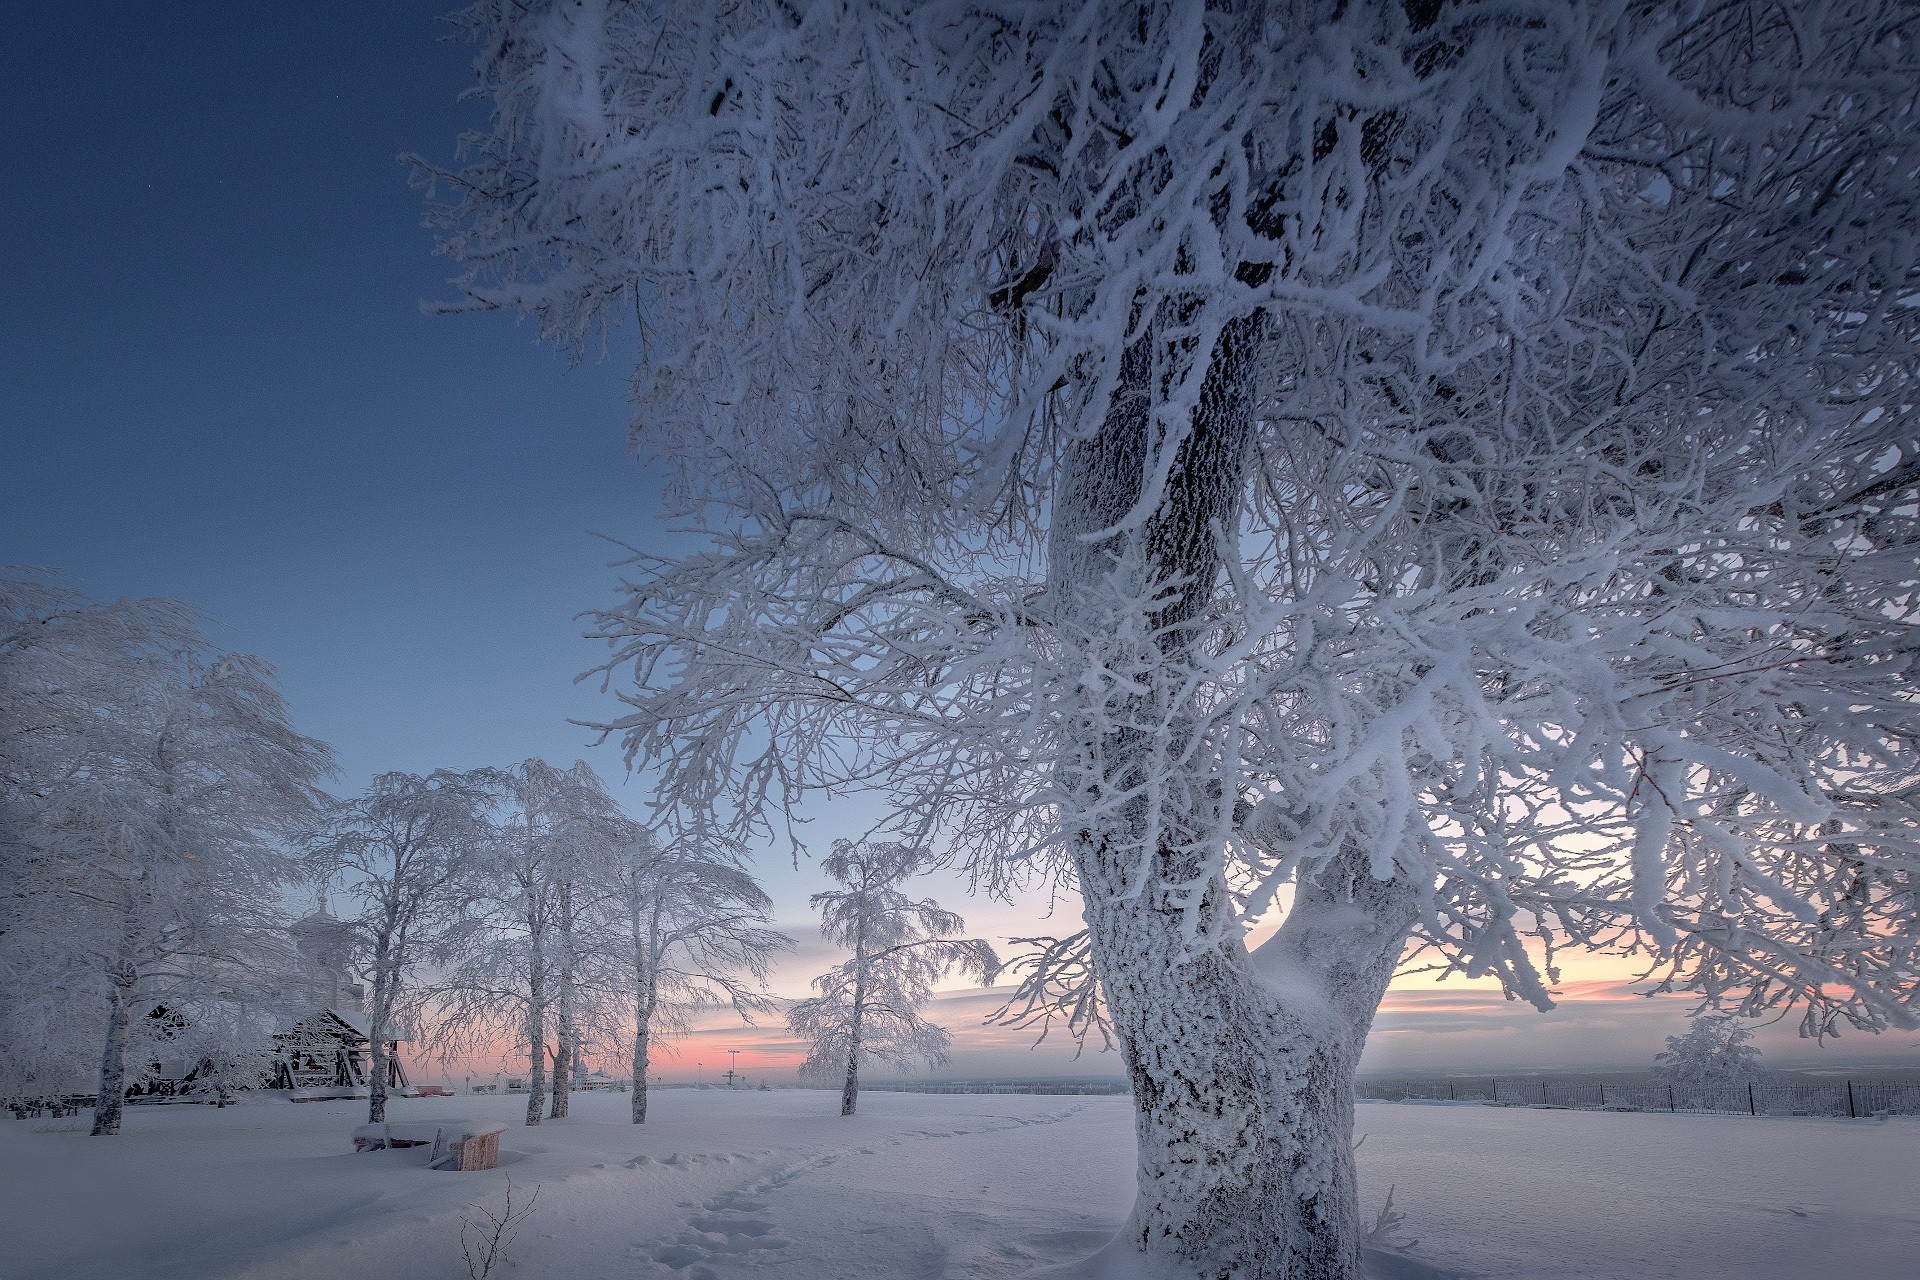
1057,981
1488,440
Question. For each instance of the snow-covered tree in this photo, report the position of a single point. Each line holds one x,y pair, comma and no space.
1446,471
1713,1054
868,1009
690,923
567,955
512,965
152,785
586,929
191,851
403,847
61,659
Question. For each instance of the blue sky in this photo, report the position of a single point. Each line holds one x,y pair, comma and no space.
218,384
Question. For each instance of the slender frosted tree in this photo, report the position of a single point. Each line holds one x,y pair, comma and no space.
404,848
511,966
1444,472
567,954
690,923
153,787
868,1009
64,662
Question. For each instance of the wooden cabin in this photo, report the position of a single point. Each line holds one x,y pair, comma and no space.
330,1049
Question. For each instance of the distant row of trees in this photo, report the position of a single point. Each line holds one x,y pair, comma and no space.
521,905
545,917
156,806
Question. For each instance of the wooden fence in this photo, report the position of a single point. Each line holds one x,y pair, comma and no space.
1762,1097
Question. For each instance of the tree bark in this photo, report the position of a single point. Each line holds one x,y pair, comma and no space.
1241,1066
640,1066
850,1090
563,1051
565,1044
536,1031
377,1015
645,932
113,1058
1242,1072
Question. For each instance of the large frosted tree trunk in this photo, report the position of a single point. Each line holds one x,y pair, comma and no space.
1242,1072
113,1057
1241,1066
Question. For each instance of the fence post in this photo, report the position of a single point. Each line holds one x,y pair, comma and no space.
1670,1103
1496,1089
1851,1113
1603,1095
1751,1109
1450,1097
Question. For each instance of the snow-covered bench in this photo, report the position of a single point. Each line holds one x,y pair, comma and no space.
458,1144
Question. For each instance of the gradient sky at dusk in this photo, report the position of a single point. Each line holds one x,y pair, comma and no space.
216,384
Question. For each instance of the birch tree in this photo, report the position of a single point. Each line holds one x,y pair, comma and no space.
512,965
868,1009
585,923
567,957
404,846
64,660
155,785
691,923
1442,474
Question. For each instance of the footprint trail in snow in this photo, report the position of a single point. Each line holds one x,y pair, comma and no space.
732,1233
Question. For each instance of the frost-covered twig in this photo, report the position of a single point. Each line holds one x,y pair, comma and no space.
485,1232
1058,980
1385,1231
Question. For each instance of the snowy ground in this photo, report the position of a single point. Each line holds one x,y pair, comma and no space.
732,1186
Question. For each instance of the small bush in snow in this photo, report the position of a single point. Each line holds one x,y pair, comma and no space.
1713,1054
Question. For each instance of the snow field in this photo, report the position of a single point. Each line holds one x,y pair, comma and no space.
775,1186
1522,1194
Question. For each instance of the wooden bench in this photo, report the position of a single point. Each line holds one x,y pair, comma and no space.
459,1145
399,1133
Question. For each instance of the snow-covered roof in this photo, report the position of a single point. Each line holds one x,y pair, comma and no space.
358,1021
355,1022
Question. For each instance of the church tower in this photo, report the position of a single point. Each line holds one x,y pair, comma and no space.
326,950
